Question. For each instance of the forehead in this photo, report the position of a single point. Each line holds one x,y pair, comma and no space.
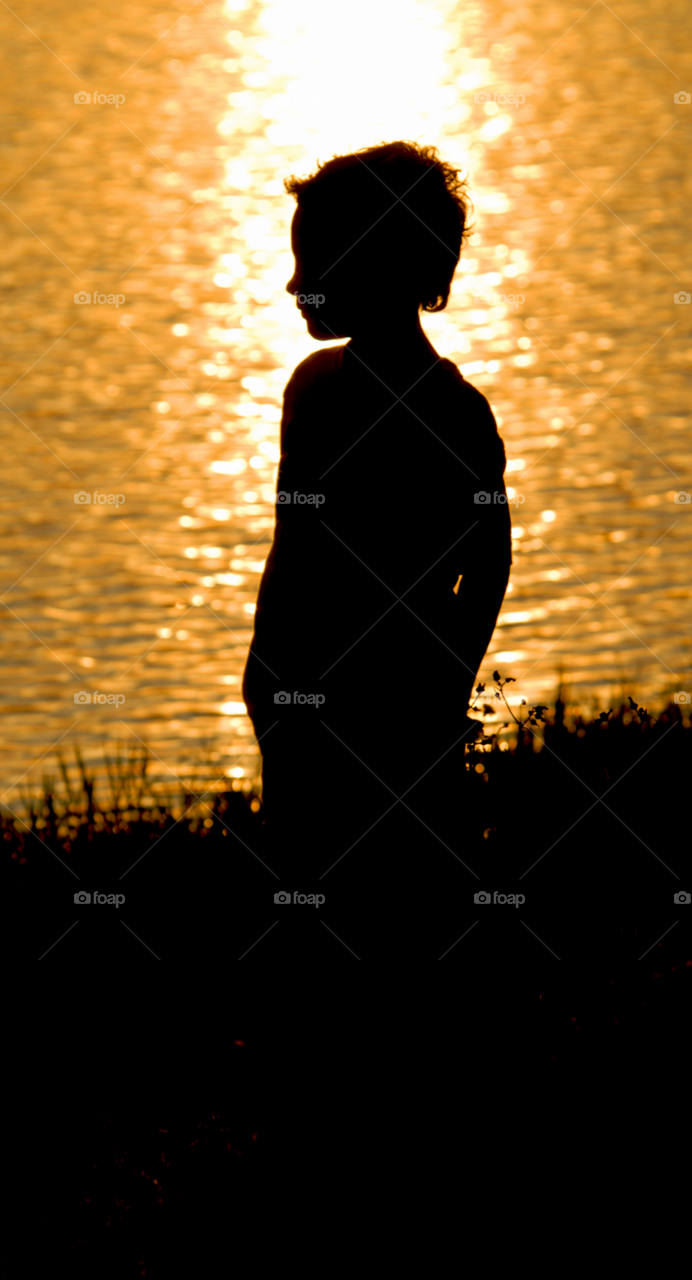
296,226
308,232
322,229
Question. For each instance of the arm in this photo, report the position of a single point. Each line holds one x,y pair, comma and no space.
487,553
262,674
479,601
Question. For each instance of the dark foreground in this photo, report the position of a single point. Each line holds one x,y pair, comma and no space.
164,1141
593,831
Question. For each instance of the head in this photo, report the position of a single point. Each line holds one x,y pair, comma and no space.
376,237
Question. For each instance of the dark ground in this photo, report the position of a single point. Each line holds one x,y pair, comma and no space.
594,831
110,1041
332,1098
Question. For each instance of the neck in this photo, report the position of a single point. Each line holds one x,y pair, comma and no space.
391,342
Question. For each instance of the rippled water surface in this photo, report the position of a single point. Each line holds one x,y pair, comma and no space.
169,201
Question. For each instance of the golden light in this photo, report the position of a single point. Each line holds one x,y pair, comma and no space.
399,95
189,203
495,127
232,467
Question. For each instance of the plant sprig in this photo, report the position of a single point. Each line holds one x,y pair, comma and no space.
534,715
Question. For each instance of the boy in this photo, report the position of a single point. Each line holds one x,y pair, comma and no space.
366,645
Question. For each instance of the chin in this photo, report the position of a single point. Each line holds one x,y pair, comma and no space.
320,333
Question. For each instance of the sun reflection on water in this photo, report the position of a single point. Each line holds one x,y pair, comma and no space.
174,398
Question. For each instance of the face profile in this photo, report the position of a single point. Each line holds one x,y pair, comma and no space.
376,237
333,296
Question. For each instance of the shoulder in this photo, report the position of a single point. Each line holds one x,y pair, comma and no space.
470,395
307,377
316,367
478,420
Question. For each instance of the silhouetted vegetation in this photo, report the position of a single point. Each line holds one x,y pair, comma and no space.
65,814
584,816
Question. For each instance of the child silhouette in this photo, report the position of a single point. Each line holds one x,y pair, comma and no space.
390,474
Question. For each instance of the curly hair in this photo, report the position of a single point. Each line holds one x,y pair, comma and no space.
423,229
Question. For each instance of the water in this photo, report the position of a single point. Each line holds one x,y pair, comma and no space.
168,397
